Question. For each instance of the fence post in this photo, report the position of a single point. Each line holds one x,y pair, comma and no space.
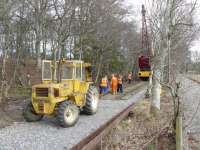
179,133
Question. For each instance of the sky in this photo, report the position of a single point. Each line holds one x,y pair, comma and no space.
136,4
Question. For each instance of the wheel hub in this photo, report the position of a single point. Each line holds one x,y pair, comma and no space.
70,115
94,101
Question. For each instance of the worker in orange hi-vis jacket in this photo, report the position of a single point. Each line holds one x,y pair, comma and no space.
114,83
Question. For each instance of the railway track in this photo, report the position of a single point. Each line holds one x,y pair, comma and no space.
91,141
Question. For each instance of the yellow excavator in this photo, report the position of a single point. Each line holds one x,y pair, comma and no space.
66,89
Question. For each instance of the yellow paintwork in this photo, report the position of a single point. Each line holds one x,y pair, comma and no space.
46,81
73,90
144,74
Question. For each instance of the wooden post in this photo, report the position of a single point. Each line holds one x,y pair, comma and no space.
179,134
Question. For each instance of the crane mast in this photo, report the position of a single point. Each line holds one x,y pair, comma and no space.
144,57
144,34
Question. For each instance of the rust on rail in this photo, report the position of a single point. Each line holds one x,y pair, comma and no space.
92,140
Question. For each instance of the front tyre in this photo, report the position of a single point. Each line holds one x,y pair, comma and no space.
92,101
30,114
67,114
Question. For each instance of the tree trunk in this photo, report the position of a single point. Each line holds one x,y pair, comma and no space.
59,51
156,90
3,79
169,57
4,82
99,68
158,65
37,48
38,32
63,51
44,46
149,89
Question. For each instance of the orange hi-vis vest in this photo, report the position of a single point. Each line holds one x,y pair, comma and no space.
104,82
119,80
114,81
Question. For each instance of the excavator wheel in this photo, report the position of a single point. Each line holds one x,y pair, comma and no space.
30,114
92,101
67,114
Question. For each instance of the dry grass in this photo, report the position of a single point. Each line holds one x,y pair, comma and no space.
141,131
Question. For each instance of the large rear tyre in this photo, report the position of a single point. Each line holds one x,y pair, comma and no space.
92,101
67,114
30,114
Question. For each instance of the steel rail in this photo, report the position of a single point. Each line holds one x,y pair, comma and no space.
92,140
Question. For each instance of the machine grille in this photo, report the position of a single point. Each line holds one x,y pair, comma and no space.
41,92
41,107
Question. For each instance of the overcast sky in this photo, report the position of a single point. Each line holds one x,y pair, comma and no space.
136,4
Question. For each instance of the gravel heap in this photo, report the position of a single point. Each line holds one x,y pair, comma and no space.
47,135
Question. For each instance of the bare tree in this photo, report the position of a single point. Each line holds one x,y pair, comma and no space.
173,26
166,23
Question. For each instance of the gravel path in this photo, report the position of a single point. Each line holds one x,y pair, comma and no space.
191,100
46,135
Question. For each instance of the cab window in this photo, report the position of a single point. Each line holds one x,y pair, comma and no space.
46,70
79,71
67,70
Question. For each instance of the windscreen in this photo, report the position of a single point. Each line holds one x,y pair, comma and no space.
67,70
46,70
